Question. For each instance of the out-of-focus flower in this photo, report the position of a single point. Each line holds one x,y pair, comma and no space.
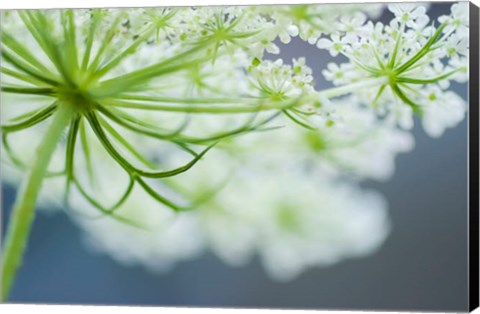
458,20
291,219
444,109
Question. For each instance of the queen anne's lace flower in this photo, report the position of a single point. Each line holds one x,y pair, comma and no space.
409,14
458,20
317,229
339,75
336,45
292,222
444,109
456,47
180,109
401,52
277,80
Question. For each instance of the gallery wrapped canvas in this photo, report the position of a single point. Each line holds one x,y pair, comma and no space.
267,156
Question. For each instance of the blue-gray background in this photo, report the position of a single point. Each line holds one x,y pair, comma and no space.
421,266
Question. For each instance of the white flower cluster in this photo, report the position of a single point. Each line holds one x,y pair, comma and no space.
283,180
417,60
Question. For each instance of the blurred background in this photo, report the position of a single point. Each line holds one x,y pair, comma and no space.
421,266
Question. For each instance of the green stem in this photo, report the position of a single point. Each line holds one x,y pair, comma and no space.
197,109
23,210
346,89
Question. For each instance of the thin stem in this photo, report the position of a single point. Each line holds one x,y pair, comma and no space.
35,119
343,90
415,107
23,211
297,121
23,52
46,91
197,109
429,80
195,101
27,68
138,77
21,76
120,57
398,39
104,45
422,52
89,39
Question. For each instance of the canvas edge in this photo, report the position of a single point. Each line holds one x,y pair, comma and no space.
473,298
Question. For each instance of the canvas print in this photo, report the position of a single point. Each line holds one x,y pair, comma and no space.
266,156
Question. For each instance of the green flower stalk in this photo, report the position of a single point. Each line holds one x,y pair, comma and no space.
23,210
156,91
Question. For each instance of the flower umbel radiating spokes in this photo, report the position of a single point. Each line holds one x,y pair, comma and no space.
406,53
79,80
83,69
